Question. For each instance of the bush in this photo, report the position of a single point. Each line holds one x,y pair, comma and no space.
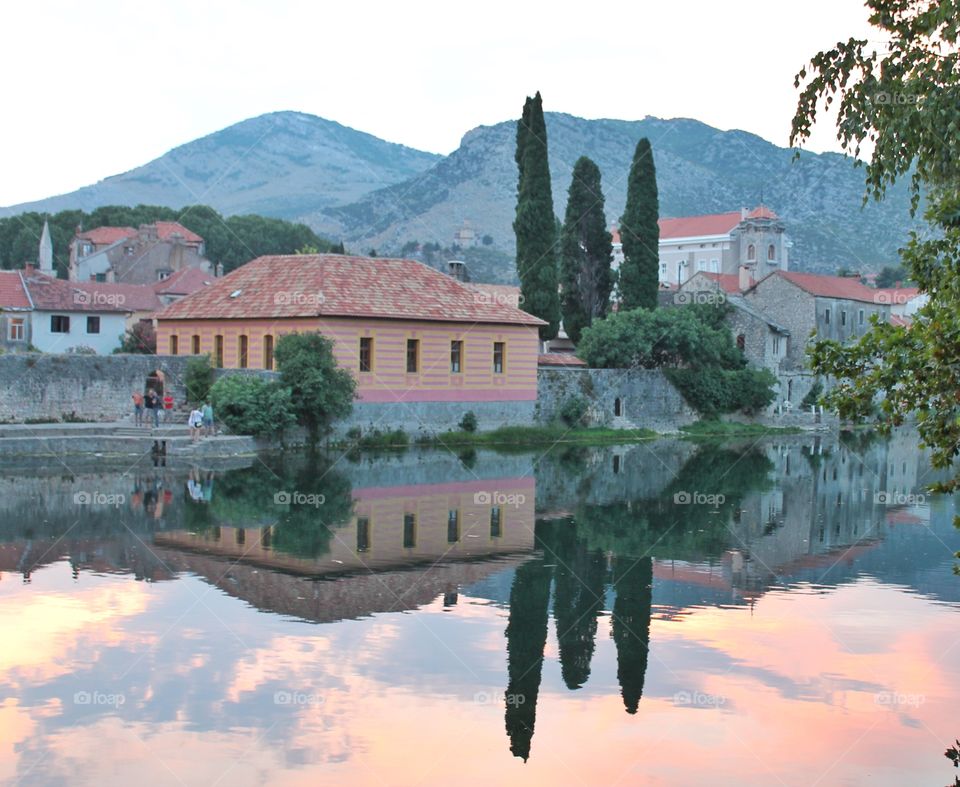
469,422
251,405
573,412
198,378
140,339
715,391
813,395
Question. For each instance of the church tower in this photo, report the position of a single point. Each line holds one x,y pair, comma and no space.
45,255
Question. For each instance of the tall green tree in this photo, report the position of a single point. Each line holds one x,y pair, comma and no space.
633,580
535,222
586,252
903,100
640,233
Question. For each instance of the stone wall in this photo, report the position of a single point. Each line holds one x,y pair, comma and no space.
88,387
647,400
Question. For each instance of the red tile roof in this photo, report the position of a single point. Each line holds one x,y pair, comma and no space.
51,294
12,293
312,285
615,233
729,282
104,236
184,282
505,294
762,212
830,286
900,322
698,226
167,229
559,359
896,296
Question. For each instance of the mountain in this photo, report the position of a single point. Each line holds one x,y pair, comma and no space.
282,164
699,170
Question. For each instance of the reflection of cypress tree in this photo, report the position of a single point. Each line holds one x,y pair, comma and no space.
526,638
631,626
578,601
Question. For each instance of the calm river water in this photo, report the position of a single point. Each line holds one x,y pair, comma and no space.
781,611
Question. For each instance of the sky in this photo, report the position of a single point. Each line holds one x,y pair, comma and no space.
96,88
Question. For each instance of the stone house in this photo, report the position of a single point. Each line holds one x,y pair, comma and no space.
419,343
149,254
15,308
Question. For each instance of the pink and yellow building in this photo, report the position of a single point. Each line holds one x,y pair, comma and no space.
407,332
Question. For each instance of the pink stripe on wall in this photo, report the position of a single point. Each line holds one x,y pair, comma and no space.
425,490
458,394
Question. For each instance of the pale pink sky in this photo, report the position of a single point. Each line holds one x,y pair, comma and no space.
100,87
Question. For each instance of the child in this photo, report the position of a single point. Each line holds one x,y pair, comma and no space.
137,408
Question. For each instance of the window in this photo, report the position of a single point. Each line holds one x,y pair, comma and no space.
616,463
843,317
701,265
496,522
771,253
751,253
498,349
93,325
741,342
456,352
268,352
59,323
100,277
16,329
409,531
826,316
242,347
715,266
363,534
366,354
195,344
618,407
413,355
218,351
266,535
776,345
453,526
860,317
174,344
241,536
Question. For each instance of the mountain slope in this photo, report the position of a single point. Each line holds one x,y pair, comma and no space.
699,170
281,164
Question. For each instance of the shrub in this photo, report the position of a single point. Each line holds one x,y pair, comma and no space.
251,405
140,339
813,395
469,421
573,412
198,378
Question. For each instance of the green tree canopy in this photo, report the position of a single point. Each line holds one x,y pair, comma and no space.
640,233
586,251
535,222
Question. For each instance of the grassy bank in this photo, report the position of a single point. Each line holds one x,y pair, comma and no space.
539,435
730,429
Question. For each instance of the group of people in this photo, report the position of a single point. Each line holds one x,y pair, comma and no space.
200,420
153,403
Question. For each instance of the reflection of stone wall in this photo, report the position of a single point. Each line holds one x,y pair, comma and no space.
647,399
92,387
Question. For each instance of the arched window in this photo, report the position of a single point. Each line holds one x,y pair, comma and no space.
618,407
772,253
741,342
751,253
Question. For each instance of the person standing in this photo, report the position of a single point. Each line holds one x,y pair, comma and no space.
153,404
167,407
195,422
207,419
137,408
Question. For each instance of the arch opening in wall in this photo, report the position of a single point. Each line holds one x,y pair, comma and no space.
618,407
741,342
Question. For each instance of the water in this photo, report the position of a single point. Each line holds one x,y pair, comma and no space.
780,611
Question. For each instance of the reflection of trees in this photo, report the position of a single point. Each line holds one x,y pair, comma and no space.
663,528
633,580
526,638
248,498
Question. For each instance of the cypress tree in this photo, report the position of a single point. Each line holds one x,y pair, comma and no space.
640,233
631,626
535,222
586,250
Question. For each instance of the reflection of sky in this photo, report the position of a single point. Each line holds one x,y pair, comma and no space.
837,686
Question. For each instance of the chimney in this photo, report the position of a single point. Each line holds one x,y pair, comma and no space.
458,270
218,270
745,278
28,268
743,213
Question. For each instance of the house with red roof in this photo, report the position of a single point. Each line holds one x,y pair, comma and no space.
422,342
15,308
719,243
142,256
